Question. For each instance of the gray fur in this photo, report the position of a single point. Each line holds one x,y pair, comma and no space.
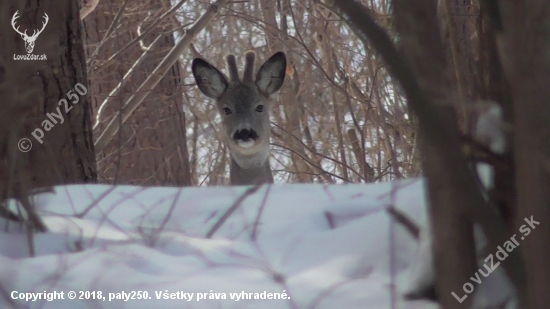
246,121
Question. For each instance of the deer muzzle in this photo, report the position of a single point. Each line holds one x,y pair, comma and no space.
245,138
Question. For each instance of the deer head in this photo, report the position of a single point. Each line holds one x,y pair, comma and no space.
244,104
29,40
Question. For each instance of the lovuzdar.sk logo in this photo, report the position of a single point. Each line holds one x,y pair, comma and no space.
29,39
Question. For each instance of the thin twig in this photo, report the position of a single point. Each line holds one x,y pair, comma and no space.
153,25
124,80
254,233
95,202
156,76
231,209
109,31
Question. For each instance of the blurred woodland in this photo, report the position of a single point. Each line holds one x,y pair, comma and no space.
339,117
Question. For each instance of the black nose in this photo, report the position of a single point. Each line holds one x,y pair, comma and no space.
245,135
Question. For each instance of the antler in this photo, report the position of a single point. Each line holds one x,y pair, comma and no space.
232,68
35,33
249,58
16,16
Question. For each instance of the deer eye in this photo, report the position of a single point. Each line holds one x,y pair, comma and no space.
260,108
227,111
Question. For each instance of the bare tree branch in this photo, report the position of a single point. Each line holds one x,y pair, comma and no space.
156,75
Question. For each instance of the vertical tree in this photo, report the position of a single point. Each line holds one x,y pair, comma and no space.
125,42
68,144
519,33
522,34
33,91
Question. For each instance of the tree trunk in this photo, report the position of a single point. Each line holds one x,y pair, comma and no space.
454,254
62,148
151,147
455,200
524,51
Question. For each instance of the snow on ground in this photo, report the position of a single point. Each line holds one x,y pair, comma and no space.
149,242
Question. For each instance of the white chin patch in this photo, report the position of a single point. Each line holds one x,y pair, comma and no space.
246,144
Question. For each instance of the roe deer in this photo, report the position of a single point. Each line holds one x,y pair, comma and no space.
244,105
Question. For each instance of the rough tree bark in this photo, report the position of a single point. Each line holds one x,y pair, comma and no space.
524,51
151,148
66,154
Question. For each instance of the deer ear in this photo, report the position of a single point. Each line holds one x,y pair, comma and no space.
211,82
271,75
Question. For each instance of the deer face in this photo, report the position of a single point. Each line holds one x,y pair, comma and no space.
244,105
245,118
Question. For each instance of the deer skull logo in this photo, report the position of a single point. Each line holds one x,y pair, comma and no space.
29,40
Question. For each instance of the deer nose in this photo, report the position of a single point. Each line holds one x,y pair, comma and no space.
245,135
